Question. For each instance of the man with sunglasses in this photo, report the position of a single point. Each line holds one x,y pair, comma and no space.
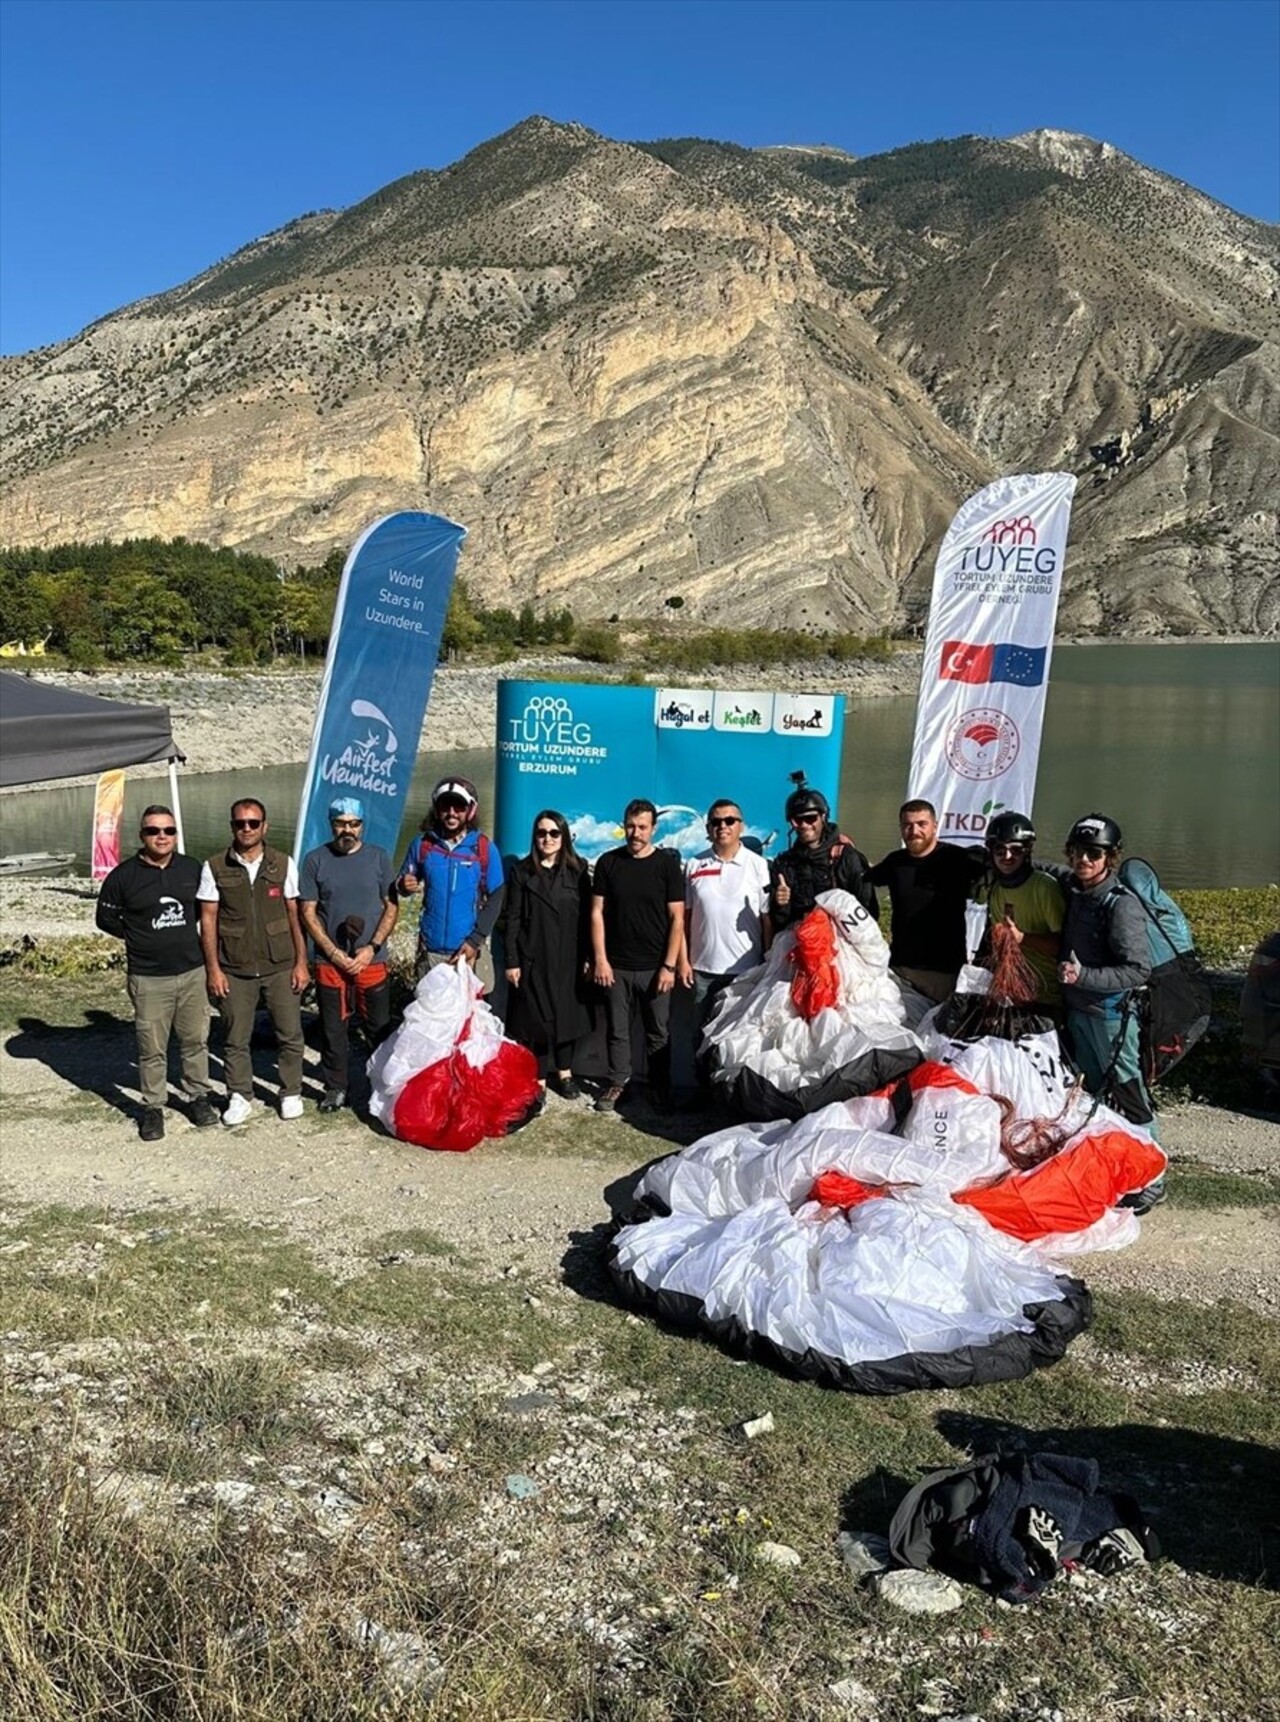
1106,959
727,928
254,949
149,901
347,903
1027,900
820,859
459,872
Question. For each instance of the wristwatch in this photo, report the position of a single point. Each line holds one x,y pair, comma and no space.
670,968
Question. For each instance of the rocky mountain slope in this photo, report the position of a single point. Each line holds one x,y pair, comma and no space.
758,380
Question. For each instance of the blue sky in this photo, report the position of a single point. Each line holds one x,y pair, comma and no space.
141,140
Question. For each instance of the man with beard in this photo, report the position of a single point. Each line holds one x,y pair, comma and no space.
254,949
637,930
459,872
820,859
929,883
347,905
149,901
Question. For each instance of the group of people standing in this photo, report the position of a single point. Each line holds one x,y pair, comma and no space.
619,938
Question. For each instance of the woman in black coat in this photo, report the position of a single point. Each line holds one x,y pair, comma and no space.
546,934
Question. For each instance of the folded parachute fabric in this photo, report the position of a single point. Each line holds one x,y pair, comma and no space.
821,1020
448,1077
889,1242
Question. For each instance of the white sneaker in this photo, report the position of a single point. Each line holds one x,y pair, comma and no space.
291,1106
238,1110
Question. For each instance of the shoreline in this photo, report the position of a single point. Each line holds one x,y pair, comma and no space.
215,730
256,718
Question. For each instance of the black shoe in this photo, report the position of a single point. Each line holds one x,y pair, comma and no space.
204,1114
1142,1201
151,1124
566,1087
332,1100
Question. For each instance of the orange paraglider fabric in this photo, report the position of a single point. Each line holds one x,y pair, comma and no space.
839,1190
815,986
1071,1191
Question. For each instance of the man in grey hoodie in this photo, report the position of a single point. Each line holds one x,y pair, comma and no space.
1106,959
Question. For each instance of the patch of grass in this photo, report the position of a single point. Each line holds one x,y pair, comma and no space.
1172,1332
411,1241
60,1002
66,958
1195,1185
148,1275
210,1411
1228,924
336,1353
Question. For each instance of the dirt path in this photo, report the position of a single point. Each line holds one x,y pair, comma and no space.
68,1138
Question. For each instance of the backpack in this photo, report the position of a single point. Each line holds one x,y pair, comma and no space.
1010,1522
428,844
1175,1006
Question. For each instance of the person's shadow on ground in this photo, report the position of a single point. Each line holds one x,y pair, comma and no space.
95,1058
1214,1502
100,1057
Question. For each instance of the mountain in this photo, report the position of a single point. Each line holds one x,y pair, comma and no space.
761,380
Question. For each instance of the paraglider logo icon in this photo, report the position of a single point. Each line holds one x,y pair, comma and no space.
982,743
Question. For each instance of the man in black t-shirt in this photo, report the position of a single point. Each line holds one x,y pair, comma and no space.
637,924
929,884
149,901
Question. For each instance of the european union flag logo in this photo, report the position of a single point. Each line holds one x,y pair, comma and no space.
1023,666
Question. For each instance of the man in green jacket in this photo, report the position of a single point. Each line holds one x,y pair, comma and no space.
254,949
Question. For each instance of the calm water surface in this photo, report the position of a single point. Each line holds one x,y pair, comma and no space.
1181,744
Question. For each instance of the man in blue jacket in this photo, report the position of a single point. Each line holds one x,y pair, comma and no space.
459,872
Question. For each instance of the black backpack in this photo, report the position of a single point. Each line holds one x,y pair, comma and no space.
1174,1007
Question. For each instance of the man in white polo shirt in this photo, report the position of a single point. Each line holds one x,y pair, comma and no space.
726,919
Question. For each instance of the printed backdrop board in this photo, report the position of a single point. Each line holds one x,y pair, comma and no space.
587,750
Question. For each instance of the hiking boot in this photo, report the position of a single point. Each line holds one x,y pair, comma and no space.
238,1110
151,1124
1142,1201
291,1106
608,1101
204,1114
332,1100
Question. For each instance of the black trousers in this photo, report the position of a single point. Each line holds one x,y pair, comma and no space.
374,1007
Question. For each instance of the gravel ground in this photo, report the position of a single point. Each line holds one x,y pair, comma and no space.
518,1206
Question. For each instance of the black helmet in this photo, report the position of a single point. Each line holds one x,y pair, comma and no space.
1010,828
807,800
1094,831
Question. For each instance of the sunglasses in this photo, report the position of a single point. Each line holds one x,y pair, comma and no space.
734,820
546,831
246,824
159,830
806,819
346,824
1090,851
451,805
1007,848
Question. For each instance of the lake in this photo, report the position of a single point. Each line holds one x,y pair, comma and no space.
1179,743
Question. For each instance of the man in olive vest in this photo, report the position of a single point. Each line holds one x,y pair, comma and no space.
253,948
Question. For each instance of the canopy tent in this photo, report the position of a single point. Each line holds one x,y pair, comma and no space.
50,732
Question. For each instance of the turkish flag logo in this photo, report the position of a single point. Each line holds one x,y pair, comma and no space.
965,663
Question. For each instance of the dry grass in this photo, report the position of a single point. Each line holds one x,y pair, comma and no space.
203,1497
